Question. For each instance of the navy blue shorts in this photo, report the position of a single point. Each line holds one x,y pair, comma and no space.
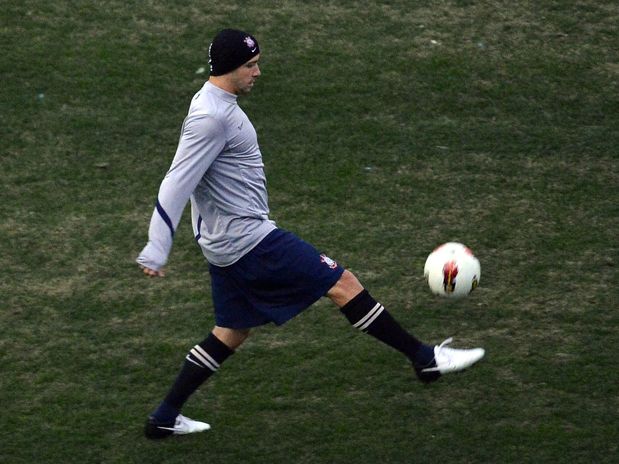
279,278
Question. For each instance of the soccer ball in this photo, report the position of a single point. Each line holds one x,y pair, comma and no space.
452,270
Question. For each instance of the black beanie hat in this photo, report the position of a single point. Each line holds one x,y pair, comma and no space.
230,49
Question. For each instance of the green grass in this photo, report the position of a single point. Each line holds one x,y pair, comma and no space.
386,129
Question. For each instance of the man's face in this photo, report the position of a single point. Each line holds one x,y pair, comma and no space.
243,77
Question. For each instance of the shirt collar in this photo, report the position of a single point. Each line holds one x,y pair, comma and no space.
224,95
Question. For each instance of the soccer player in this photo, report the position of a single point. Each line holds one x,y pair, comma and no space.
259,272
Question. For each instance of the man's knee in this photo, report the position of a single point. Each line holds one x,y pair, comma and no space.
345,289
232,338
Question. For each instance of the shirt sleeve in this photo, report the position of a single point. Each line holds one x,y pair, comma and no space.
202,140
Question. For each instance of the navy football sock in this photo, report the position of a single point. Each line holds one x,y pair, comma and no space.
201,362
165,413
369,316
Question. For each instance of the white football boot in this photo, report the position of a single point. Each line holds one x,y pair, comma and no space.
182,426
447,360
452,359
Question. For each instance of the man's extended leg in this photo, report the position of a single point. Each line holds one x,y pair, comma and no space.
369,316
202,361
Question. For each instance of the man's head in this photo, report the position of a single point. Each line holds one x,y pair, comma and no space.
233,56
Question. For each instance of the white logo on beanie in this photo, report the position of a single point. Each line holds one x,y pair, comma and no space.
250,43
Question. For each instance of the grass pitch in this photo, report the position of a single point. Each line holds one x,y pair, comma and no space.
386,129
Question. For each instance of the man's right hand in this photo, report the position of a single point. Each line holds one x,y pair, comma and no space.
152,272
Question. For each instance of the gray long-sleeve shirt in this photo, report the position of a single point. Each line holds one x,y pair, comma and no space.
218,166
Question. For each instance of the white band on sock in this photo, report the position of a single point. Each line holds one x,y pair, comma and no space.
203,357
367,320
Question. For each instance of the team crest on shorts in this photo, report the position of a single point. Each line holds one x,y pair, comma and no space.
328,261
